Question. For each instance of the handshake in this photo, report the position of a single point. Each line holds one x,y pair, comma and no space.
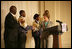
58,29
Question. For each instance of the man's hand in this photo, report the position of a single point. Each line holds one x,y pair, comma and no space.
22,21
33,27
40,36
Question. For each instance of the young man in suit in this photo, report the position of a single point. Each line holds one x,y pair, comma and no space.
11,29
36,31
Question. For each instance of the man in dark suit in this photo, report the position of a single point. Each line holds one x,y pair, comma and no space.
11,29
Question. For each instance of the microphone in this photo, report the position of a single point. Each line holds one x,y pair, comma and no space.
59,21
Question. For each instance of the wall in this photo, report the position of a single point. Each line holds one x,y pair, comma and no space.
65,16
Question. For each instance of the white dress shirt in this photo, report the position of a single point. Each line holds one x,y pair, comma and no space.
14,16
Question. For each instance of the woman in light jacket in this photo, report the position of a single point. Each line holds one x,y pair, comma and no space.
45,35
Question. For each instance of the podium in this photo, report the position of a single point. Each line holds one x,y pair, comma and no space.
57,32
57,41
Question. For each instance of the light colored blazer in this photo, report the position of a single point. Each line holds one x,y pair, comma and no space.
45,34
36,25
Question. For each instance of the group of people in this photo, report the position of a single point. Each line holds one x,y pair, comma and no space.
16,30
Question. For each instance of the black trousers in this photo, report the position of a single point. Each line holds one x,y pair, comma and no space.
22,42
9,44
37,42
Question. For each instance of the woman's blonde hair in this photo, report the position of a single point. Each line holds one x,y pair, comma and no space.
47,14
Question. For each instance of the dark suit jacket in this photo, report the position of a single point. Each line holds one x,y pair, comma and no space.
11,32
22,36
36,33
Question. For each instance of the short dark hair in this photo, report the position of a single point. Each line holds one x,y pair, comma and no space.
12,7
35,16
21,11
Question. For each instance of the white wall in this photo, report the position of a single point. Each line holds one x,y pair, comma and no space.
65,16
